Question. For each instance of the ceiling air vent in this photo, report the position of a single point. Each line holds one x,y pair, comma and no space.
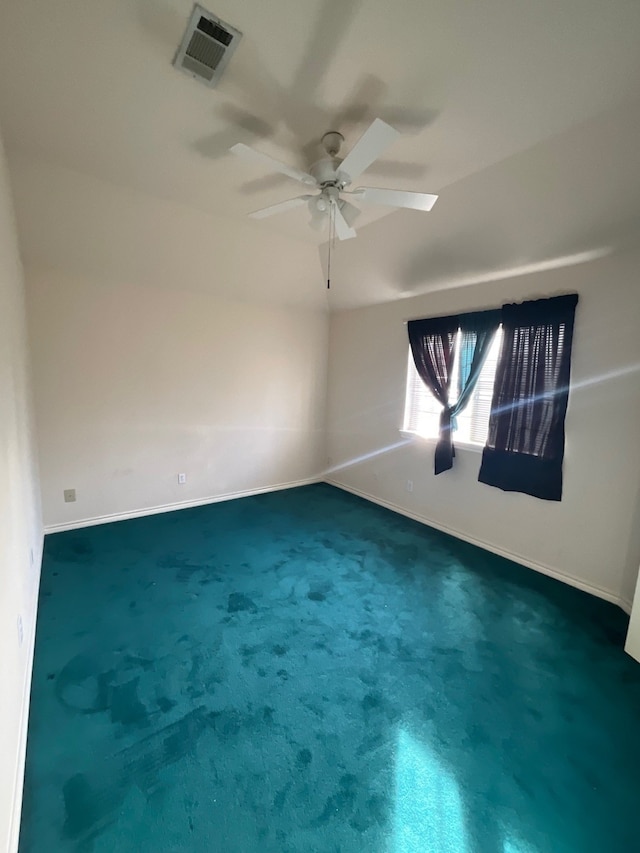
207,46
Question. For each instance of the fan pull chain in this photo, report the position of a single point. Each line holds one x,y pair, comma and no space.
332,237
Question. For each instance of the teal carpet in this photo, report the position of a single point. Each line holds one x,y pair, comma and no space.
304,672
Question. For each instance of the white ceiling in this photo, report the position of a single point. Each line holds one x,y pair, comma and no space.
522,115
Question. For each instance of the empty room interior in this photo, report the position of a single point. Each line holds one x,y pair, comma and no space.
319,411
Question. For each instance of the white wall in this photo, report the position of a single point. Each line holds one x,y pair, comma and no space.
632,644
20,523
589,537
146,363
134,386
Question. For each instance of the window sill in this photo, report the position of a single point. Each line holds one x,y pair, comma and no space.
463,445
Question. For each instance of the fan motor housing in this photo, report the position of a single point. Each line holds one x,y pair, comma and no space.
326,172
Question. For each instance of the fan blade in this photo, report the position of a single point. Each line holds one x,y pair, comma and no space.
280,207
376,138
349,211
396,198
343,230
248,153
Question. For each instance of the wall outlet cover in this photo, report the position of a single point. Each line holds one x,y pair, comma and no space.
69,496
182,478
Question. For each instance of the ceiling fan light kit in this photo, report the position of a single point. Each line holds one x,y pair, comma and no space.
331,175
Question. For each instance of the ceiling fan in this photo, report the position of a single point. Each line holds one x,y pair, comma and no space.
332,174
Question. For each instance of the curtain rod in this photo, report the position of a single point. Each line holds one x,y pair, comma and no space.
452,314
496,308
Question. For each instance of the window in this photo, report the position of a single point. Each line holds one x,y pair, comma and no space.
422,410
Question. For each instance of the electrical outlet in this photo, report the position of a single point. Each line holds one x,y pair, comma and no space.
182,479
409,485
69,496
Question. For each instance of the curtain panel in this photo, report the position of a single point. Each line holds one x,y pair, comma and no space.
525,445
432,341
432,345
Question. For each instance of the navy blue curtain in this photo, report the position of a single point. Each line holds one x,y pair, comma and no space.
432,345
432,341
525,445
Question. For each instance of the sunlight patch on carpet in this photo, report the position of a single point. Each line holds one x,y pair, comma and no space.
428,812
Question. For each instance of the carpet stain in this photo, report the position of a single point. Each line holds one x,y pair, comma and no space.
304,672
238,602
304,758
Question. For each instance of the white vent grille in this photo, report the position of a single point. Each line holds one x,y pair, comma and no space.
207,46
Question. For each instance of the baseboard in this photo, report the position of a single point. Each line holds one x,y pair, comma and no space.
154,510
16,811
626,605
607,595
